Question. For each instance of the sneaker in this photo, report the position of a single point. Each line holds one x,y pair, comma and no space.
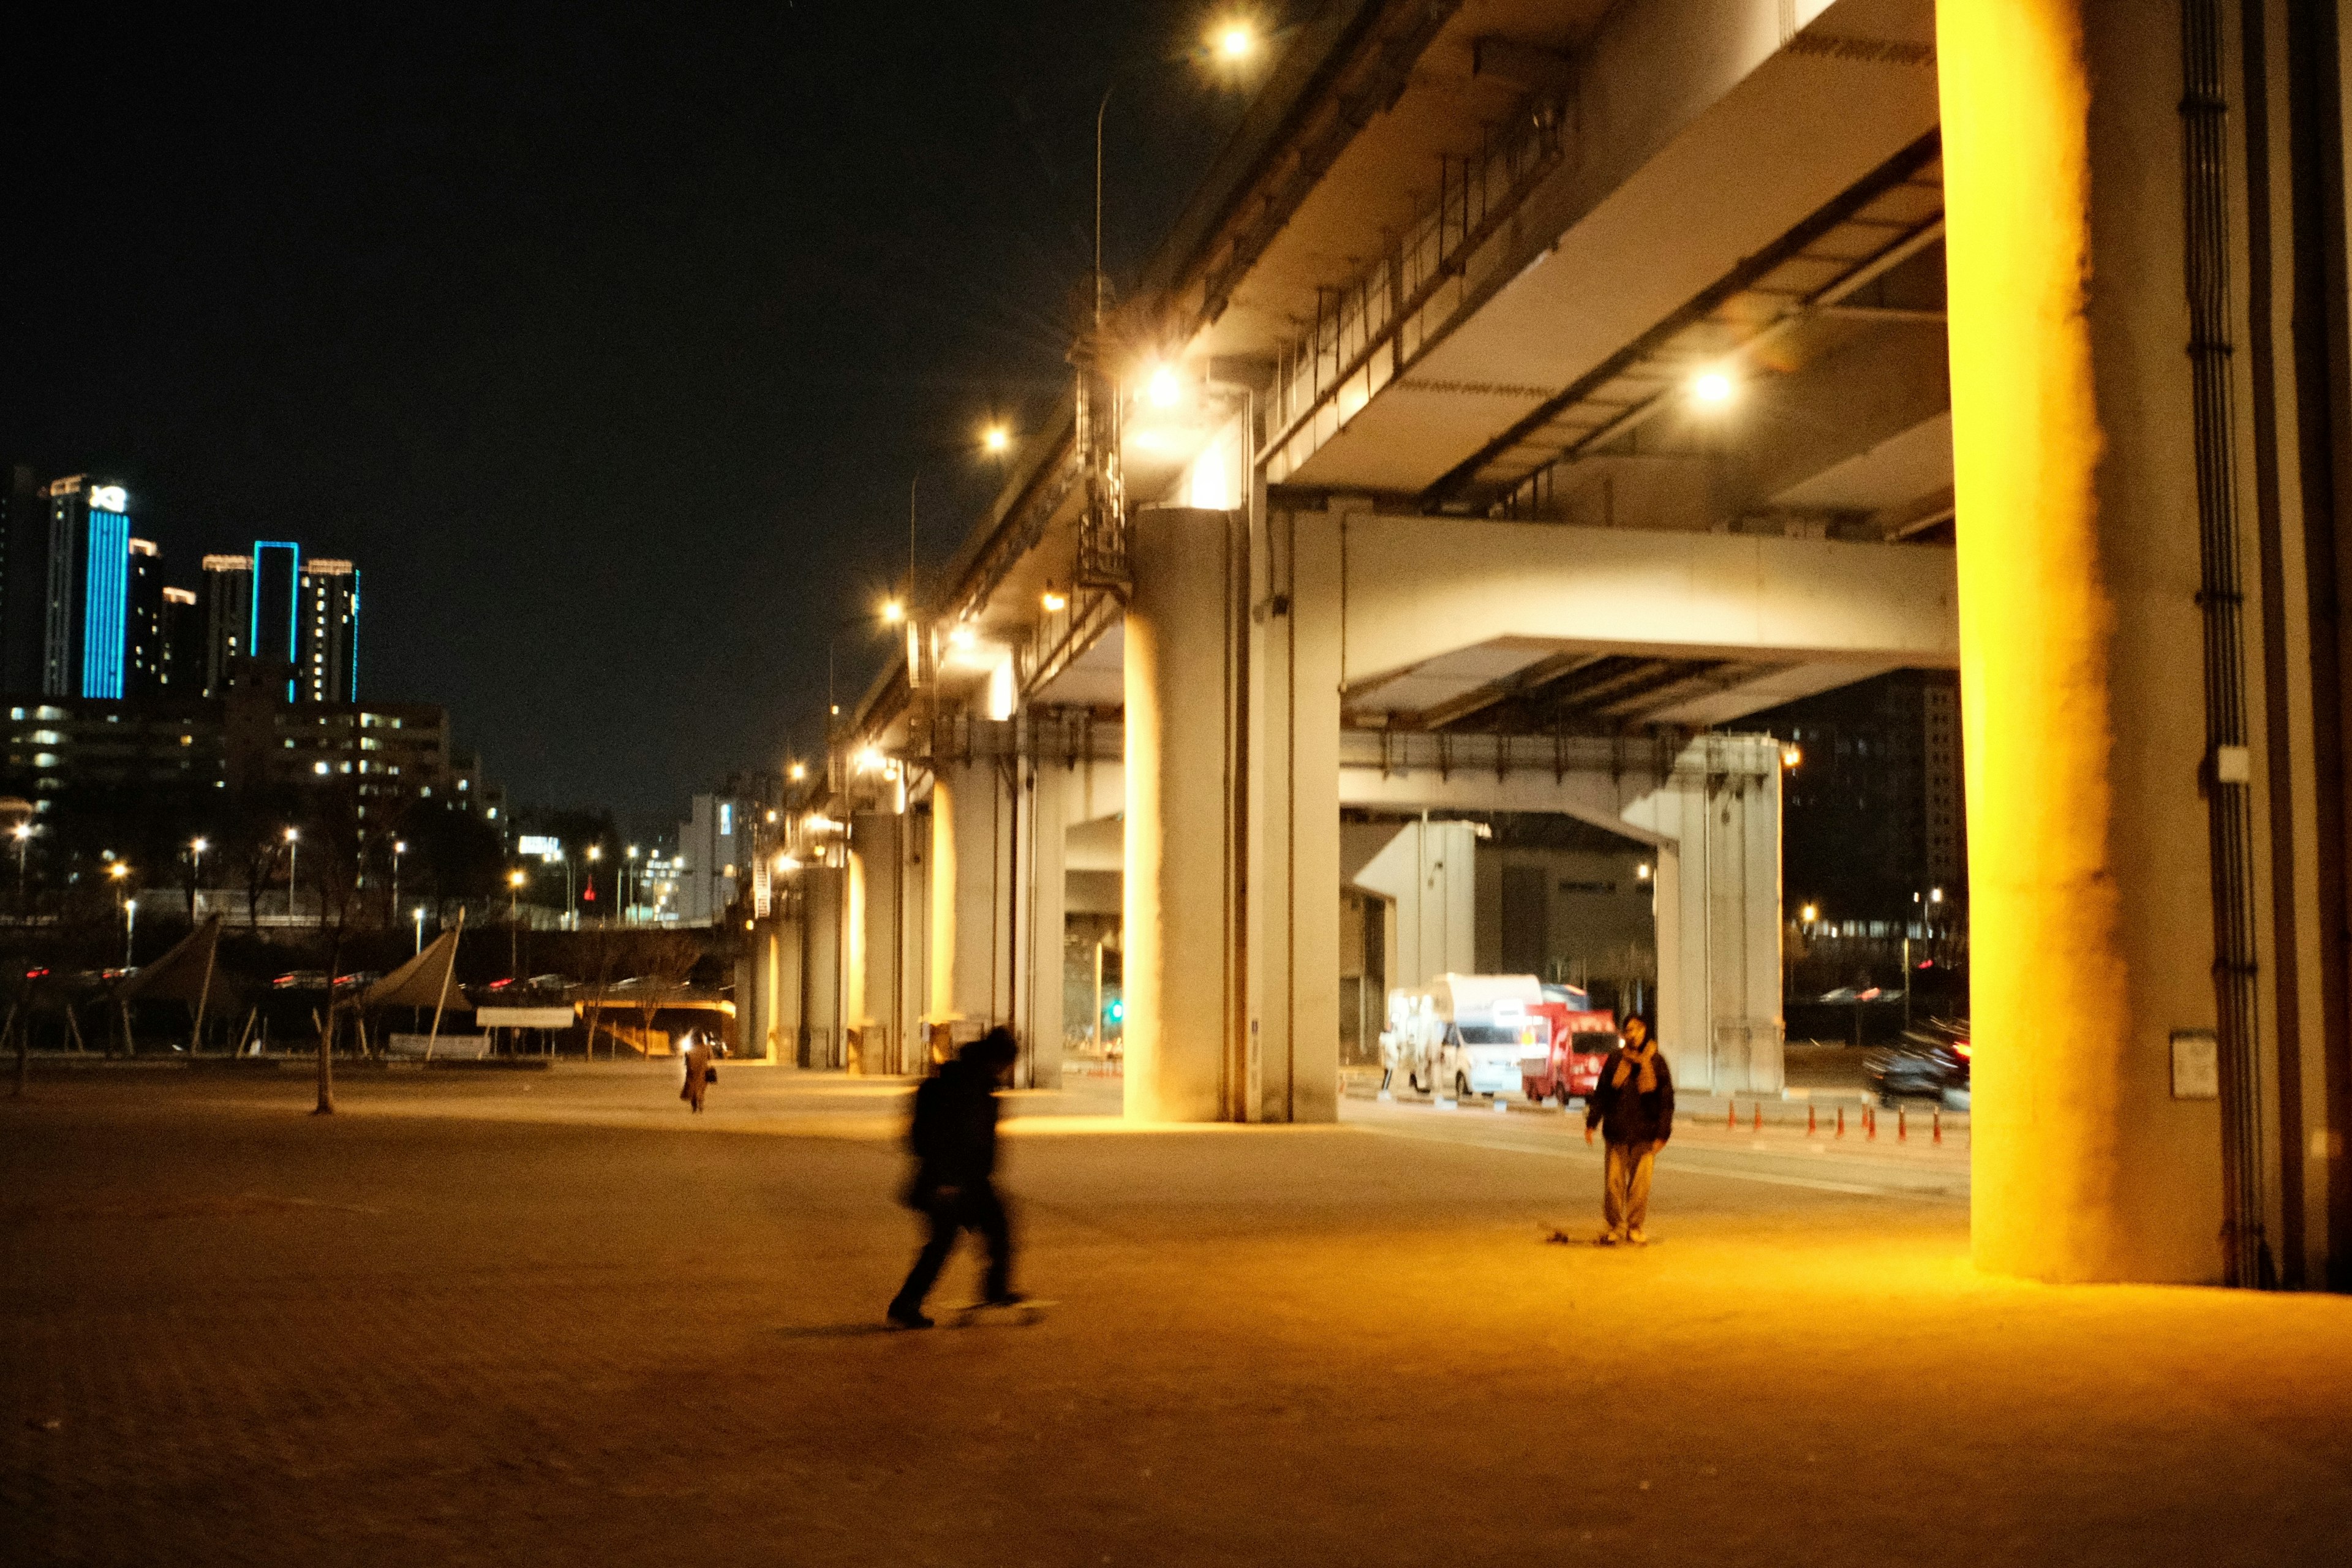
1008,1299
1637,1237
907,1317
1607,1239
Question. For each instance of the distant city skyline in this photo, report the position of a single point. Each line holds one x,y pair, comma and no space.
87,608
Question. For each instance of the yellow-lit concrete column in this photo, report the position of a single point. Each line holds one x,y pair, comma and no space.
785,1016
1044,838
971,897
823,893
2092,923
1180,919
877,845
1292,818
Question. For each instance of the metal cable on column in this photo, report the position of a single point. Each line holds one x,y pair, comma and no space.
2204,114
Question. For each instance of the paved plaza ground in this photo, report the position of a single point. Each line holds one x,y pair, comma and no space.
502,1318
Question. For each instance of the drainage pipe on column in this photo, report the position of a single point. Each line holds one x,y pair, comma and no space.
2204,115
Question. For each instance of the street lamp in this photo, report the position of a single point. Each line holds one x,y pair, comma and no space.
1712,388
515,880
628,876
196,848
419,913
117,871
399,847
890,613
995,439
595,852
293,870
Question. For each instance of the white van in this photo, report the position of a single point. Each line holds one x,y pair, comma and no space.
1466,1034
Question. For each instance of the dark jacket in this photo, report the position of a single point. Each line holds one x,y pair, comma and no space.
1626,1115
954,1130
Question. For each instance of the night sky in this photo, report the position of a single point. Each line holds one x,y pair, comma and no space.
606,339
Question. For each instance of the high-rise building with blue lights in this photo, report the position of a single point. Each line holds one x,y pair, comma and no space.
86,621
275,616
329,669
275,630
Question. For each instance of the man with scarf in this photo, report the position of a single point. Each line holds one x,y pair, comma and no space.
1633,1105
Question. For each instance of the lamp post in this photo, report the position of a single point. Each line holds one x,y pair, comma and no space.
23,834
595,852
399,847
196,848
293,871
514,916
628,876
420,932
117,871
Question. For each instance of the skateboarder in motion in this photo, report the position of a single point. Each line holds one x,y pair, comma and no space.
953,1136
1633,1105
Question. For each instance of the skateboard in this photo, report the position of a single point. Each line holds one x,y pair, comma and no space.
1566,1233
977,1314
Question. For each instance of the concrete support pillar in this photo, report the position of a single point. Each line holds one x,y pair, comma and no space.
758,1020
1045,801
786,1017
2080,638
877,920
971,841
1717,899
1292,819
1428,874
1181,764
825,893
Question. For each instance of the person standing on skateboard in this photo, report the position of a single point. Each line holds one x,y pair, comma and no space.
1633,1105
953,1136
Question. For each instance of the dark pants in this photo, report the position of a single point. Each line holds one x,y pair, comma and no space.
974,1209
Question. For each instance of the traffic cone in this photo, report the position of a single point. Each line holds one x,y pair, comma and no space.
1760,1116
1841,1121
1902,1125
1870,1123
1731,1116
1938,1114
1810,1121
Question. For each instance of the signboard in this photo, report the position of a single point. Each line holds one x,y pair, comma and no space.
522,1017
445,1047
2196,1065
537,844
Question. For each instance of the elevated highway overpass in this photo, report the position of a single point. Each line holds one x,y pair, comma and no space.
1534,390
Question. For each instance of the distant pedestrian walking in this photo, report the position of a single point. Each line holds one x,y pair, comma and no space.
1633,1105
953,1136
701,1069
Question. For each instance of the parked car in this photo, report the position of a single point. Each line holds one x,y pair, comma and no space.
1931,1060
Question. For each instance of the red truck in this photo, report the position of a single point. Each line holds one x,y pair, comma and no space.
1580,1039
